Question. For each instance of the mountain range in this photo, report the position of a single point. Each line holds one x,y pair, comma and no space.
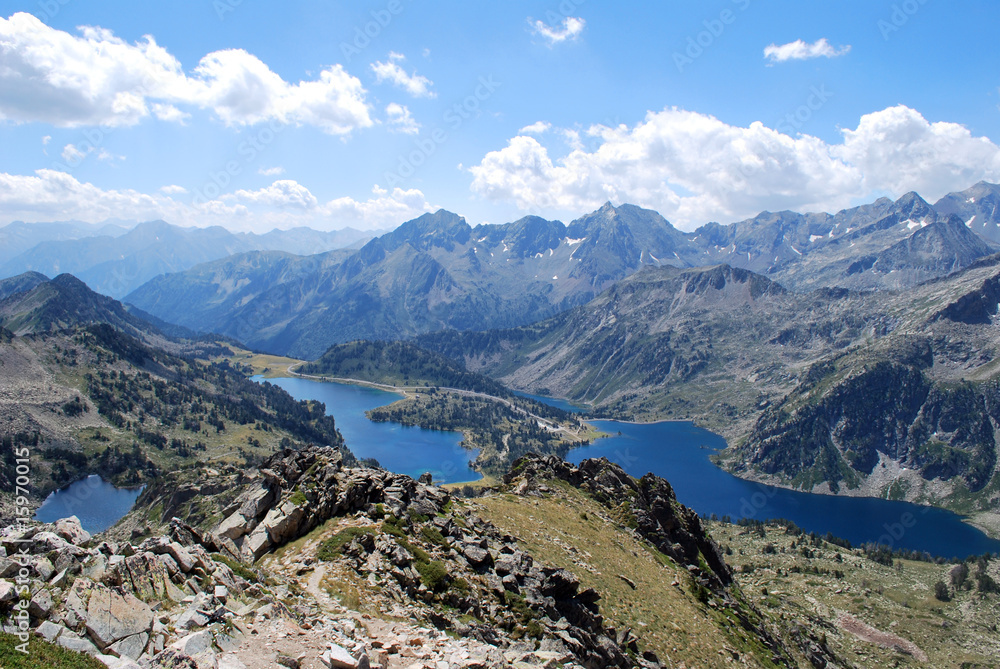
437,272
114,260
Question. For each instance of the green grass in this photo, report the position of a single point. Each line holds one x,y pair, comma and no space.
42,655
333,547
239,569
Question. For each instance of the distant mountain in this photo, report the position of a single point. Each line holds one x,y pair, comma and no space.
436,272
18,237
884,245
888,393
117,264
978,207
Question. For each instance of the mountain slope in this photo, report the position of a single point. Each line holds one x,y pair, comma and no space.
20,283
62,303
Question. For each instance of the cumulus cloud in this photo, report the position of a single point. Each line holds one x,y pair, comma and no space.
416,85
536,128
799,50
271,171
52,195
96,78
400,119
694,168
283,193
571,28
381,211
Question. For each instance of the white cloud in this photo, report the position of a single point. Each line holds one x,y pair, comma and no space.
51,195
46,140
106,156
898,150
416,85
381,211
282,193
571,28
400,119
170,113
799,50
73,155
271,171
536,128
694,168
48,75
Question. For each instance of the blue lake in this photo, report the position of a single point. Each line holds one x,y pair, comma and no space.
97,504
679,452
398,448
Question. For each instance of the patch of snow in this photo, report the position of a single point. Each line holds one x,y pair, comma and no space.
538,255
475,249
910,223
831,234
813,238
481,240
506,249
971,200
555,278
575,241
848,231
748,256
550,252
968,223
653,257
794,249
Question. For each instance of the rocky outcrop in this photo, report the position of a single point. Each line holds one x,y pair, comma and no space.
296,491
107,592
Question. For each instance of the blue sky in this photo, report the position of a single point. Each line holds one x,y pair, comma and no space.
365,114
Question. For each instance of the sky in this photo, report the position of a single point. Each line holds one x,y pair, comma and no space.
365,114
